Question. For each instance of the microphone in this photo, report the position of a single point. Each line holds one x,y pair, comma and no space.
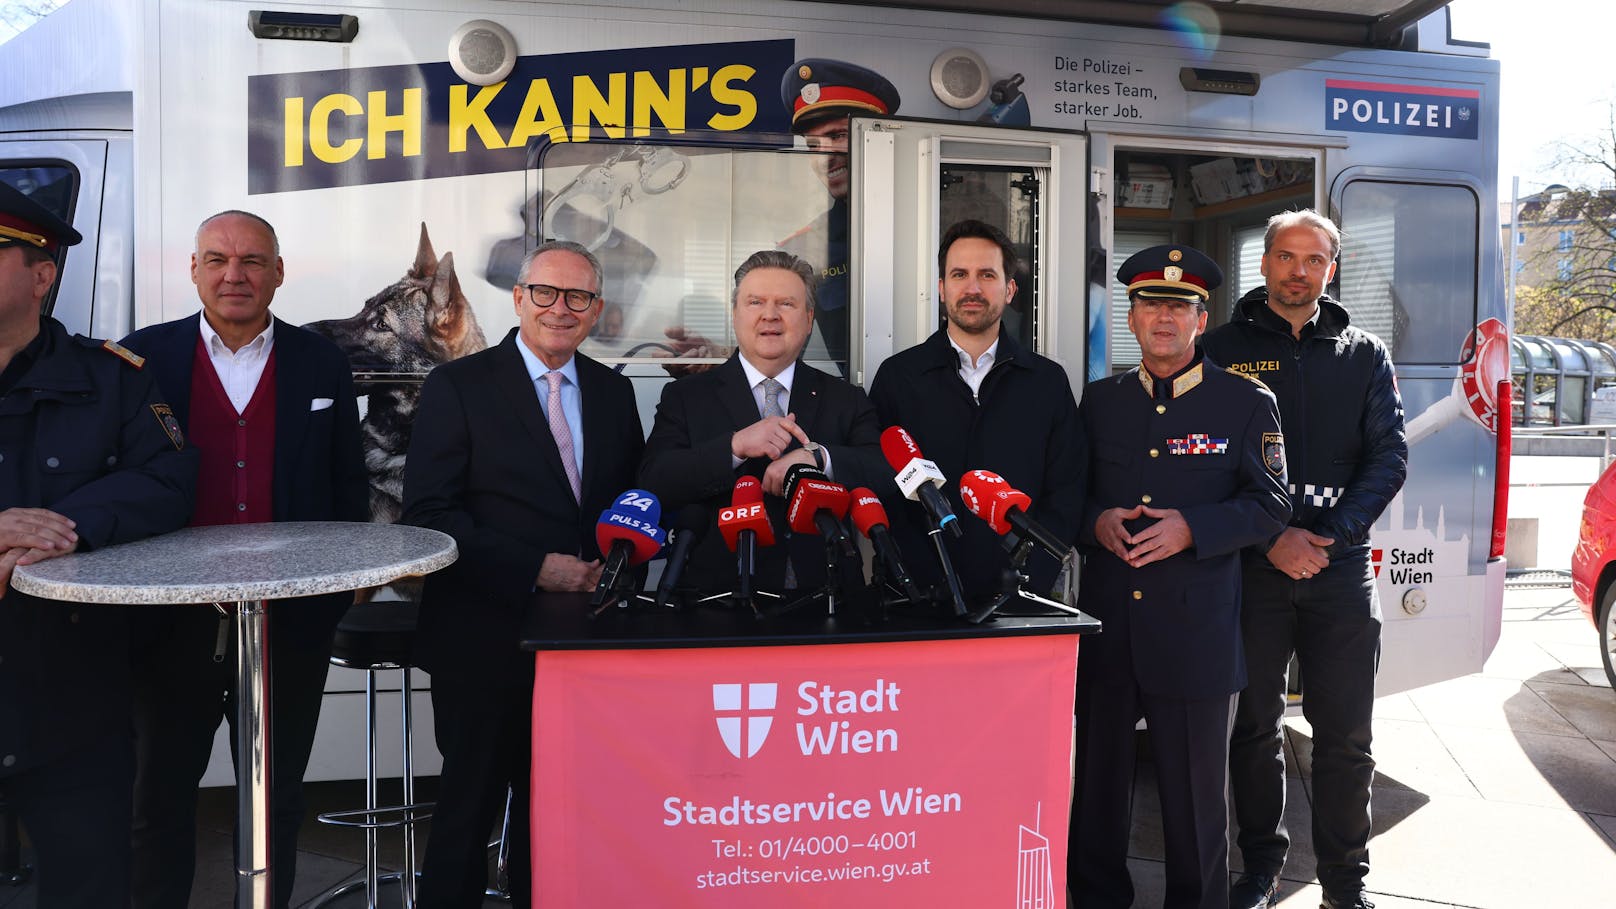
919,478
628,533
1004,508
689,526
817,505
871,520
744,526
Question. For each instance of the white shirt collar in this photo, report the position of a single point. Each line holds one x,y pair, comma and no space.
536,369
216,347
754,376
987,358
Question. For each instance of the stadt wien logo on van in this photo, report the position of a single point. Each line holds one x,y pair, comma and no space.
745,713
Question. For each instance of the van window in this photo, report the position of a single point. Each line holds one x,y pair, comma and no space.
54,185
1408,266
671,223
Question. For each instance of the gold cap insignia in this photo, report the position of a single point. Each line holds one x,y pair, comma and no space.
1174,256
803,72
1173,272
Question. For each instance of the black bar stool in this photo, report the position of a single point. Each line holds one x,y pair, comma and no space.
375,637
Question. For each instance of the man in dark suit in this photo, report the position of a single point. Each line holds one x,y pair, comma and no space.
974,399
517,450
271,407
1187,467
92,458
759,413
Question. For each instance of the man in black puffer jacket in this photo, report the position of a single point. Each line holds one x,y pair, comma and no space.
1311,590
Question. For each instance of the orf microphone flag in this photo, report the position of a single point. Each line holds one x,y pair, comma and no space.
745,525
918,478
1004,508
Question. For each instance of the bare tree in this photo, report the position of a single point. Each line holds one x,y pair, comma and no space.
1568,279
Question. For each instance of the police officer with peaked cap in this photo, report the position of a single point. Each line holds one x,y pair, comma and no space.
89,456
1186,467
821,94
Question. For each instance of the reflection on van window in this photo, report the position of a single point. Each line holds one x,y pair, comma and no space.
1408,266
672,223
51,185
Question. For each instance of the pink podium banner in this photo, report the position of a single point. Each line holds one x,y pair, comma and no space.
891,774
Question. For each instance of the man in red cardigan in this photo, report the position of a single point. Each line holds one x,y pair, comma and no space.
271,407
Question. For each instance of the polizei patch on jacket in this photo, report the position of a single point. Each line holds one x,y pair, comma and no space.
1198,443
1273,453
165,417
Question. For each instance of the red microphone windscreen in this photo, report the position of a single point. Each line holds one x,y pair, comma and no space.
898,447
646,544
745,512
809,496
990,498
867,511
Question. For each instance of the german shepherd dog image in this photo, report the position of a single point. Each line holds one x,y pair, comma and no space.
402,333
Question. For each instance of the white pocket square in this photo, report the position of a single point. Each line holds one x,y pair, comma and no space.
320,404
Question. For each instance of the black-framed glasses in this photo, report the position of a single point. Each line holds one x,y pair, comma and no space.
544,296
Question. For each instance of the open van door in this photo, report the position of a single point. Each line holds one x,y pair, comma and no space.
912,179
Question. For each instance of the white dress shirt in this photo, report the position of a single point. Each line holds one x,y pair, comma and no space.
238,370
974,373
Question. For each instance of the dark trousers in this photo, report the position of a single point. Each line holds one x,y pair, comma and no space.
1189,739
76,812
482,713
184,684
1332,623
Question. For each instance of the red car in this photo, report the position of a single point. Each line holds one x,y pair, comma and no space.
1593,565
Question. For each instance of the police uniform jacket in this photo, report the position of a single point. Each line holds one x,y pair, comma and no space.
84,433
1205,442
1338,402
1022,425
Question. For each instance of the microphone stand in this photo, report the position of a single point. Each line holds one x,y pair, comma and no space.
1014,578
954,592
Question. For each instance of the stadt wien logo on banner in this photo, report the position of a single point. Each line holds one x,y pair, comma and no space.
743,723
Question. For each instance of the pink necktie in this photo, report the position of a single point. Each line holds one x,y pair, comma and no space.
563,434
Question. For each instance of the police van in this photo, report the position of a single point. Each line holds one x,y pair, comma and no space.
409,153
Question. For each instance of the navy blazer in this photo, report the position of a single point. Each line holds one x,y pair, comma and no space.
483,467
319,461
688,460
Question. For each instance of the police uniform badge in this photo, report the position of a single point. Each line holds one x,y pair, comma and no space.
165,418
123,353
1273,453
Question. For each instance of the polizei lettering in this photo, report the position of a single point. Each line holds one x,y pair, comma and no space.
1414,110
834,735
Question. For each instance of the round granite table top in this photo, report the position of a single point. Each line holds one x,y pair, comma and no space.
233,562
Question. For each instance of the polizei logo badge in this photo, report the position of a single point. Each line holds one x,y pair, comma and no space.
1409,110
745,715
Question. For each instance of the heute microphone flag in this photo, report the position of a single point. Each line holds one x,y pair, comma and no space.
745,512
919,479
1004,508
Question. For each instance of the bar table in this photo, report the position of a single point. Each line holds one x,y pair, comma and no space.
244,565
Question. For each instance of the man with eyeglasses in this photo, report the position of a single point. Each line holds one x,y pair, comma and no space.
516,451
759,413
1310,590
1186,467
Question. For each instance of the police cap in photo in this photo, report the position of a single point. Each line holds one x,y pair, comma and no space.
815,88
24,222
1170,272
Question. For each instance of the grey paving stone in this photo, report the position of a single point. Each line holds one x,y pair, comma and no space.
1411,756
1591,710
1548,771
1485,703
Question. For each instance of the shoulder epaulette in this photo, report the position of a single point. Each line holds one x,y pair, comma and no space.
1253,379
123,353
